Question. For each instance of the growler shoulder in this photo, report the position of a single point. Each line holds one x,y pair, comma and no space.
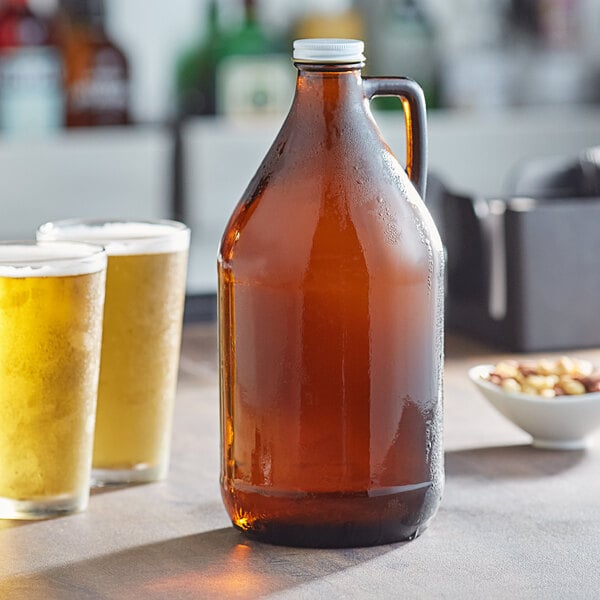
332,213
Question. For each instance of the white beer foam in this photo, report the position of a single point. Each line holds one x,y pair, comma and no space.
50,259
122,238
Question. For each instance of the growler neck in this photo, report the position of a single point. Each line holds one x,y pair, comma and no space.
335,84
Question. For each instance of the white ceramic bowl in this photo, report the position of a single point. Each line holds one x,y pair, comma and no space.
562,422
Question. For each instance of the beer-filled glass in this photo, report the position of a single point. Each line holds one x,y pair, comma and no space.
145,291
51,299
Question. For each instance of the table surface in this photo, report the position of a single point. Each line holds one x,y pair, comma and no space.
515,522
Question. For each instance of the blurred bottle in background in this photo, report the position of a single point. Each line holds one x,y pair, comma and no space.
96,69
559,22
253,75
332,19
556,69
195,71
31,94
480,61
402,40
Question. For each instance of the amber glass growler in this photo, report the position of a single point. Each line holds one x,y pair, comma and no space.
330,322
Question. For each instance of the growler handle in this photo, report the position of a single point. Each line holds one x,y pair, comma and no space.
413,103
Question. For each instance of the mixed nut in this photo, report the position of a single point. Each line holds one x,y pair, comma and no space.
546,377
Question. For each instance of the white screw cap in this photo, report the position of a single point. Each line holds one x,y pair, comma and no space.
329,50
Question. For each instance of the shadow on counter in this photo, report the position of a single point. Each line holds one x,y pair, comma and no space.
212,564
510,462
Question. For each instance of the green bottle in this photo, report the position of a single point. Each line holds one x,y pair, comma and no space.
403,42
195,77
252,76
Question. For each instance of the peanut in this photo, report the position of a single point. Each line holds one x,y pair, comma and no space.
573,387
511,385
507,368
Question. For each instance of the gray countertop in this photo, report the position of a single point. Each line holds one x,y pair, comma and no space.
515,522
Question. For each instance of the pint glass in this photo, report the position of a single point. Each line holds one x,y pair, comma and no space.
145,291
51,299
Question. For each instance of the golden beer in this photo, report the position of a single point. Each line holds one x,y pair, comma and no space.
143,314
51,299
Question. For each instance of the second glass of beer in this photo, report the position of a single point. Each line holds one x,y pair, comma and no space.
143,314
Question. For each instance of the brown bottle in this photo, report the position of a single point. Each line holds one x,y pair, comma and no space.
96,70
330,317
